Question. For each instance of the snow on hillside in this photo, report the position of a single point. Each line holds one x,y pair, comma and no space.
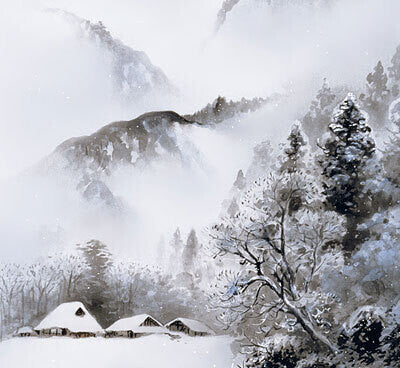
130,142
59,352
132,72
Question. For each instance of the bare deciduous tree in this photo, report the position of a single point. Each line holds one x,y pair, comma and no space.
280,255
44,277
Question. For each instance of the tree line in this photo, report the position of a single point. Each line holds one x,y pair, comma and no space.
111,289
311,237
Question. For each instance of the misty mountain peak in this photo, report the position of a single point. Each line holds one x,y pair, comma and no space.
124,142
132,71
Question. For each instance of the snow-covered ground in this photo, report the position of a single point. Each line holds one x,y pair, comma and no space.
146,352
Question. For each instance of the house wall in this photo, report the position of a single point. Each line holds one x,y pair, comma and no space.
26,334
53,332
180,327
82,334
200,333
127,334
63,332
116,334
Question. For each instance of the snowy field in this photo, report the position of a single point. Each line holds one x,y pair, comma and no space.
146,352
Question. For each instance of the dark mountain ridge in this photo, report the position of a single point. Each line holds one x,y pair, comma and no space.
129,142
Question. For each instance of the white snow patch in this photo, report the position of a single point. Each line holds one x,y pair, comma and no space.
110,149
145,352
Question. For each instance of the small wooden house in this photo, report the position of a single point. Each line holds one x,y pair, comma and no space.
135,326
25,331
189,327
69,319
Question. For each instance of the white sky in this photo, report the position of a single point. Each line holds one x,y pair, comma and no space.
53,87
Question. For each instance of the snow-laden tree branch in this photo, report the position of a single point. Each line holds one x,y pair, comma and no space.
282,255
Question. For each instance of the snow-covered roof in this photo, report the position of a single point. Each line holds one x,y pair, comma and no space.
70,316
25,329
194,325
133,324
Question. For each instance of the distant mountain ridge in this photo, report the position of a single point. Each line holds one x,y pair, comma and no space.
126,142
136,143
132,71
144,138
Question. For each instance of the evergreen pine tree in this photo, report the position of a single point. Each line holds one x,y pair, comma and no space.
96,291
231,205
261,162
391,156
318,117
160,258
220,108
176,244
346,150
376,99
240,182
295,160
292,159
394,73
190,252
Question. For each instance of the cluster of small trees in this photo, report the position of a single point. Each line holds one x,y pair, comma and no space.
221,109
186,258
313,245
381,89
110,289
28,291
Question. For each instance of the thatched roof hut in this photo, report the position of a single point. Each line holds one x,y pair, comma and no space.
69,319
25,331
135,326
190,327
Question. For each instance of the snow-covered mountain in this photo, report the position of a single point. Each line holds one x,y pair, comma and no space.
148,137
132,72
132,142
123,178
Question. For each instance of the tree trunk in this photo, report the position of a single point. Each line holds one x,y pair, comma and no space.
309,328
22,306
1,324
39,300
9,307
69,286
46,302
